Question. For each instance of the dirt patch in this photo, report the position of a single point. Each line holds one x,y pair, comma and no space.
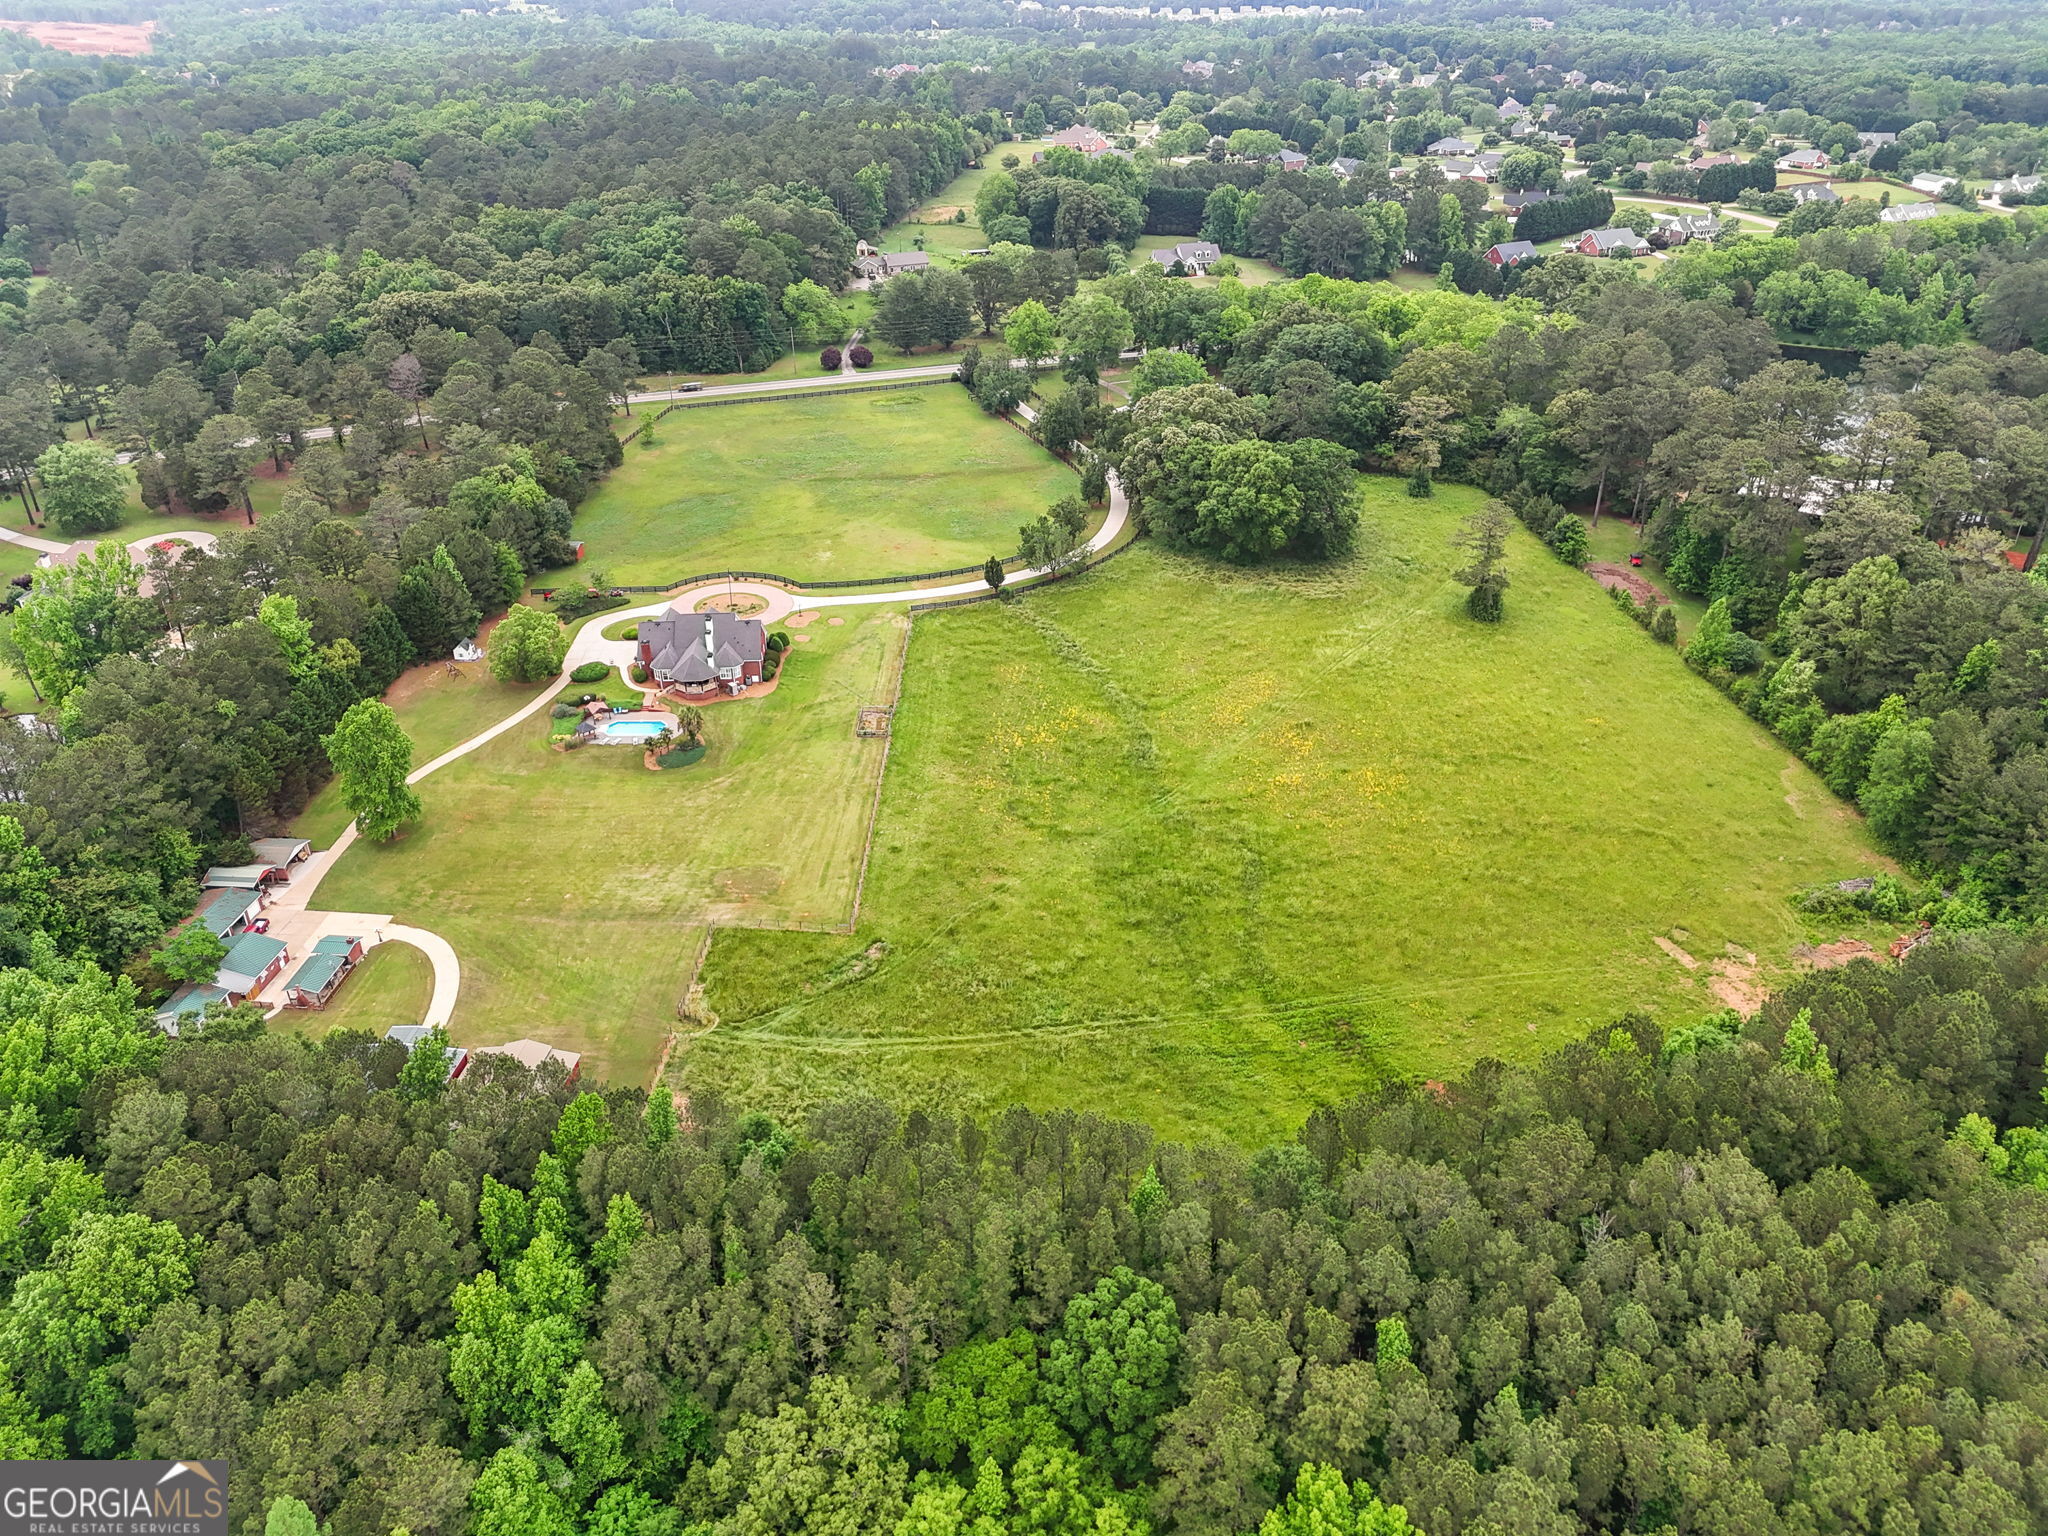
745,604
1674,952
799,620
1738,986
835,619
414,681
803,639
1612,576
117,38
1827,957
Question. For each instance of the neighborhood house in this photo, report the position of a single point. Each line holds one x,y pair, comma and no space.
1677,228
410,1035
533,1054
225,913
1193,256
1612,242
188,1004
251,964
875,266
1089,141
1509,252
700,653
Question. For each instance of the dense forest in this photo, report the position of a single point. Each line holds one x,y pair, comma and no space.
1782,1275
1775,1274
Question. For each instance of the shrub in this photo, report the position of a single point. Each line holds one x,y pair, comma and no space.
630,632
1741,652
861,356
638,673
770,665
1539,514
564,710
1665,625
590,672
829,359
1567,540
779,641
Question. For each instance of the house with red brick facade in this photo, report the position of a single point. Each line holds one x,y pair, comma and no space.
703,653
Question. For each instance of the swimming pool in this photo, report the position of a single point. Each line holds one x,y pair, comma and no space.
630,730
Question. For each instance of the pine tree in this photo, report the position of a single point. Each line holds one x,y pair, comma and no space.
434,606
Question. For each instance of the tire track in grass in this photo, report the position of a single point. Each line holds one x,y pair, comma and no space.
1239,1013
1130,713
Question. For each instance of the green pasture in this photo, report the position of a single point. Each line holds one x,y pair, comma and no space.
1211,846
877,484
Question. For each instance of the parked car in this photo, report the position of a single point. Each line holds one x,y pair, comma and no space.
261,925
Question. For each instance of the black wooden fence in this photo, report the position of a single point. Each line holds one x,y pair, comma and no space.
989,597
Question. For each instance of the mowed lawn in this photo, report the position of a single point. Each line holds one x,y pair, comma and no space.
393,985
880,484
439,703
1212,846
575,886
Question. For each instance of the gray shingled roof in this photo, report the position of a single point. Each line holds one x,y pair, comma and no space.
694,647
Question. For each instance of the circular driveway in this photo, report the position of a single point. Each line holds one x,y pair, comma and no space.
780,603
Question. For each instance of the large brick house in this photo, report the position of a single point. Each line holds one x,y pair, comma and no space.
703,653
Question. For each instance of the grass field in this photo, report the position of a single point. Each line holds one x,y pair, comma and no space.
1250,270
1870,188
1211,846
575,886
1614,540
897,481
438,704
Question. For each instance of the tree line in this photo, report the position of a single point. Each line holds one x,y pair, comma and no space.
1765,1274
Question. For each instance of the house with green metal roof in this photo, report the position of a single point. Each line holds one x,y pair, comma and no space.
229,912
331,959
251,964
187,1004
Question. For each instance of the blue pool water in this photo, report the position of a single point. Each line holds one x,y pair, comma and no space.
631,730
